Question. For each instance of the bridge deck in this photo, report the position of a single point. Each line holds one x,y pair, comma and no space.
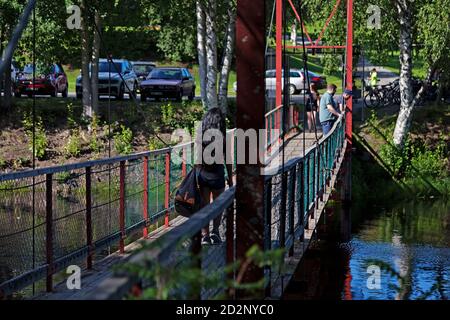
101,270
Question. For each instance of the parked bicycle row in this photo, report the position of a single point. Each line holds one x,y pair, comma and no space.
389,94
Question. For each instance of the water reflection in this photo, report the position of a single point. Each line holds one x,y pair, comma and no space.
410,246
397,254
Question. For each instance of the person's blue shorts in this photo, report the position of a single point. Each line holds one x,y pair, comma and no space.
327,126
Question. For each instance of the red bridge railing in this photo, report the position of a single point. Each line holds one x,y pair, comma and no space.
51,218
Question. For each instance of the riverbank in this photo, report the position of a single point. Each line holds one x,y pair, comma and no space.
420,171
63,136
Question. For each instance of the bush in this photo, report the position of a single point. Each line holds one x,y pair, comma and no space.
73,146
95,144
168,115
40,137
430,163
331,64
155,144
122,140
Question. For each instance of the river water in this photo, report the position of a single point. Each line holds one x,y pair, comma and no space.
402,253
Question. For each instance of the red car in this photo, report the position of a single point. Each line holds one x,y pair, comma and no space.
50,80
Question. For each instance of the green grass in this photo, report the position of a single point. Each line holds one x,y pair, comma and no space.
392,63
315,66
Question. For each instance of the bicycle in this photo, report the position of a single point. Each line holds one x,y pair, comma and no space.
383,96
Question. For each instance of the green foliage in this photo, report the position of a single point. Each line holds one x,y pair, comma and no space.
40,137
2,163
95,144
73,146
168,115
331,64
184,116
71,122
123,140
416,159
155,144
185,280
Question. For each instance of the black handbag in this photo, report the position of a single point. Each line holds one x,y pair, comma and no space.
188,199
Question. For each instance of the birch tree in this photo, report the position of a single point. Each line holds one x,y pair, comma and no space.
227,57
85,60
211,54
404,8
214,91
201,49
95,60
433,28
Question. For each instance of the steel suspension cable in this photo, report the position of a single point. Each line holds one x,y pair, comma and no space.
34,145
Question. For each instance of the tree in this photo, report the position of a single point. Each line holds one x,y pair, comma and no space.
96,45
9,16
227,57
85,60
433,29
210,29
201,49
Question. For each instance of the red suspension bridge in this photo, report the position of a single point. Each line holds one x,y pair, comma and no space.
79,214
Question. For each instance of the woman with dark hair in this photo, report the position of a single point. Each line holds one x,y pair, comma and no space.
211,176
312,107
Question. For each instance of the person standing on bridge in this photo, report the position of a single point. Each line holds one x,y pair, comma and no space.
329,112
342,101
211,177
312,107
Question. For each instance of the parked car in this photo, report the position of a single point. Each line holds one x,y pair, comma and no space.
168,83
115,78
317,79
50,80
143,69
296,80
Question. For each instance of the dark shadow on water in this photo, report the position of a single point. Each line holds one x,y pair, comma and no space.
381,248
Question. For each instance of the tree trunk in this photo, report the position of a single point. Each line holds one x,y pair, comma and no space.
211,54
95,61
406,93
85,59
7,89
227,59
201,50
1,52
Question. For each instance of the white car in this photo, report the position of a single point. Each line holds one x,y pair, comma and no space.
296,81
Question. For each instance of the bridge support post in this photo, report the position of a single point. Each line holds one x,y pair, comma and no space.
89,216
302,199
292,185
122,207
250,59
145,198
49,230
167,190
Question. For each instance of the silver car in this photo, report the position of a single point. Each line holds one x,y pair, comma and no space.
115,78
296,81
